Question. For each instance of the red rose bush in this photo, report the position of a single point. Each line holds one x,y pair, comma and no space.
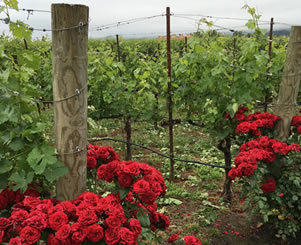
121,217
118,218
269,170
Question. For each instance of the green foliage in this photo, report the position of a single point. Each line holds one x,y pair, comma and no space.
25,153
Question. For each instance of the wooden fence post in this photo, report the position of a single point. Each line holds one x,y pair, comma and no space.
70,74
289,87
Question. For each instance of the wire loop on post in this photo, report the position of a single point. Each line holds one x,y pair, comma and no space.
76,151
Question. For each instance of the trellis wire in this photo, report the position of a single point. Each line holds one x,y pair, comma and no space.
79,26
16,93
158,153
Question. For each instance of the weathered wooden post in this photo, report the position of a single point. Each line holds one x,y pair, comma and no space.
289,87
70,73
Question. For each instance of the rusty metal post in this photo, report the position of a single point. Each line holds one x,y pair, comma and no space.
127,119
118,52
169,99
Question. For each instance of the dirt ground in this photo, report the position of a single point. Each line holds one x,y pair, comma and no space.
231,225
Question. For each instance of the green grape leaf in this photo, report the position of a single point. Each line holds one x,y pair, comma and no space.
34,157
5,166
19,179
20,30
12,4
55,171
3,181
16,145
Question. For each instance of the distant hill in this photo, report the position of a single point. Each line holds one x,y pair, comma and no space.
283,32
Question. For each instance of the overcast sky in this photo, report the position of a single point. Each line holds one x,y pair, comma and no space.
103,12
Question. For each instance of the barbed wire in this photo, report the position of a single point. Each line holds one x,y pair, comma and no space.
159,153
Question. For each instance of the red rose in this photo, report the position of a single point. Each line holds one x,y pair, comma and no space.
280,147
293,147
156,188
141,187
37,221
112,236
148,197
163,221
232,173
68,208
4,223
299,129
3,202
127,236
63,232
89,197
296,120
57,219
9,195
107,171
95,232
16,241
243,128
131,168
103,153
30,235
135,226
31,191
91,162
1,236
31,202
44,207
173,238
269,186
239,116
192,240
124,180
113,222
51,240
87,217
78,233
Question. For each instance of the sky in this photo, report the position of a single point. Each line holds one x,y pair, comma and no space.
186,14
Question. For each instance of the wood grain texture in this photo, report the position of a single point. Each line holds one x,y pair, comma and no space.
289,86
70,72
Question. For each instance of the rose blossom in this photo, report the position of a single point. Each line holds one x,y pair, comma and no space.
63,232
95,232
269,186
57,219
127,237
135,226
112,236
192,240
173,238
30,235
16,241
